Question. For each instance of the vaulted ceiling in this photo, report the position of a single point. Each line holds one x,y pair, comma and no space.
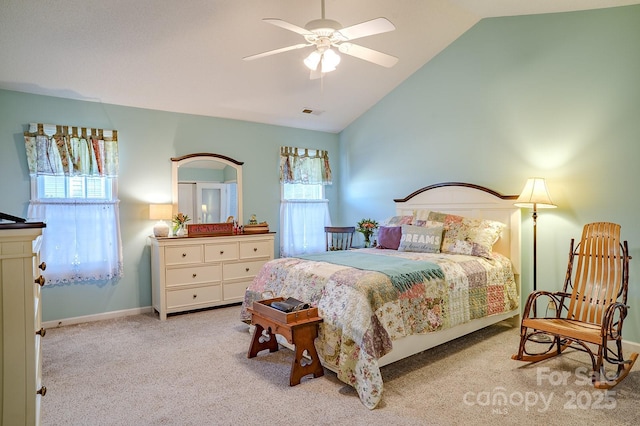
186,56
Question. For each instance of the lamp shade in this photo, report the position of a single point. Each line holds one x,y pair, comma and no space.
313,60
328,59
535,194
160,211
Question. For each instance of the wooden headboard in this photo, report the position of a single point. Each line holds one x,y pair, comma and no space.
474,201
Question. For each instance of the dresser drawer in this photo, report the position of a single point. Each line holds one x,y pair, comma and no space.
193,296
183,254
219,252
235,291
193,275
232,271
252,249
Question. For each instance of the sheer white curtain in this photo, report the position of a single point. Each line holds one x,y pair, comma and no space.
304,212
74,191
81,240
302,225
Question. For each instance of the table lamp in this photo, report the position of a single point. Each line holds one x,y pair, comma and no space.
160,212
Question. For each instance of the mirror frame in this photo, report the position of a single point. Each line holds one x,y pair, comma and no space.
176,162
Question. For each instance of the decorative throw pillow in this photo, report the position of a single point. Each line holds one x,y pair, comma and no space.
389,237
420,239
398,220
462,235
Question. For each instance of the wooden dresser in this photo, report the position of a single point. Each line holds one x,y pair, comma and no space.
198,272
20,324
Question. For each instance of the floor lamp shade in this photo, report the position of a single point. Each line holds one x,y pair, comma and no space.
535,195
160,212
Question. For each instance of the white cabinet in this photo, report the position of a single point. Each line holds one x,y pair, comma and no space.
20,324
198,272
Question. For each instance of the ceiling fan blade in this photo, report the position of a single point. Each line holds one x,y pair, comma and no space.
287,26
368,54
368,28
273,52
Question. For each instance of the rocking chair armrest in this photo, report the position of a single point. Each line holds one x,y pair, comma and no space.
612,325
555,296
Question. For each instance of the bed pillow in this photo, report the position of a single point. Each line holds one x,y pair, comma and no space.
398,221
463,235
389,237
421,218
421,239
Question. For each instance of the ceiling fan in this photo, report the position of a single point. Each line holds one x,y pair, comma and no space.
326,34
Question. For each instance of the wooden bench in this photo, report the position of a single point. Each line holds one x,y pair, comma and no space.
299,328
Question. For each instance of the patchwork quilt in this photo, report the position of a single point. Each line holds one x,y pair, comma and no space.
364,312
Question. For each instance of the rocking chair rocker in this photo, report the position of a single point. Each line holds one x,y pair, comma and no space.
590,309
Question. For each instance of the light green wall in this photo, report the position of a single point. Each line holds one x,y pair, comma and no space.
550,95
556,96
147,140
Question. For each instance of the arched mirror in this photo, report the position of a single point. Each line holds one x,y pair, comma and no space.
207,187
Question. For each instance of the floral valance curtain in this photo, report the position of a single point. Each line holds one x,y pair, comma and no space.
66,150
303,165
81,241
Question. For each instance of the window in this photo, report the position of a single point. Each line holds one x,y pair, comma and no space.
82,187
74,191
298,191
304,212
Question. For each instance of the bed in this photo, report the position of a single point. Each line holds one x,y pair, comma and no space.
376,315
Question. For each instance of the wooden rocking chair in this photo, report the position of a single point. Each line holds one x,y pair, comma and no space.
590,309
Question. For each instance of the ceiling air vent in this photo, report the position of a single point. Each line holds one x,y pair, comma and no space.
311,111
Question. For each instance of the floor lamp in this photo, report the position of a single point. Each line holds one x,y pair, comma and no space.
535,195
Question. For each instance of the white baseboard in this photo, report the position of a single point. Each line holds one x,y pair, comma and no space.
96,317
630,346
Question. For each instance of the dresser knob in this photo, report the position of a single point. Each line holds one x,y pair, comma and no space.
41,332
195,295
40,280
42,266
247,269
42,391
221,251
184,254
195,275
255,249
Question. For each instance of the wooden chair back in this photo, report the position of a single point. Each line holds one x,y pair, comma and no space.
597,272
339,237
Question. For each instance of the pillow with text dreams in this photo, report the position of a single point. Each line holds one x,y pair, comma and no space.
389,237
420,239
463,235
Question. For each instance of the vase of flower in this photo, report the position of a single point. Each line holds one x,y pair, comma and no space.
367,227
180,224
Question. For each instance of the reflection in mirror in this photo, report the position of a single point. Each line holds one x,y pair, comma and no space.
207,187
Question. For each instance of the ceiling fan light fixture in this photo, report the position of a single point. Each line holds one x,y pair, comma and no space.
330,60
313,60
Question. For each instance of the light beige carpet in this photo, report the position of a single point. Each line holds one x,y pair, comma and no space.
192,370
